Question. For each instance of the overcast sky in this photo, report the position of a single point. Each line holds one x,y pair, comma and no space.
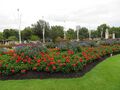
88,13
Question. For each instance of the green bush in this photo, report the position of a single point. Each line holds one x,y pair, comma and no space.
34,38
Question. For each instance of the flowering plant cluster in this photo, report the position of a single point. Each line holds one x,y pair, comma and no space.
51,60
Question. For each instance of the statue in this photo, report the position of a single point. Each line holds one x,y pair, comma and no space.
78,28
106,34
113,35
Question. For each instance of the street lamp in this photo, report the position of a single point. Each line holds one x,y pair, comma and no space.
64,31
43,30
19,20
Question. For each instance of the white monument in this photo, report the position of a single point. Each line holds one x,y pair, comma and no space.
77,29
113,35
43,30
106,34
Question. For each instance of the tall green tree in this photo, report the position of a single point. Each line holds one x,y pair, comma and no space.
115,30
10,32
56,31
83,33
94,34
70,34
1,36
27,33
38,28
102,28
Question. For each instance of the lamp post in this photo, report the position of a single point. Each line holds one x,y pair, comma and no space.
64,31
19,20
101,34
43,30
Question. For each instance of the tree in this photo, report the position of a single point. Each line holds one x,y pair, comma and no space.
27,33
83,33
1,36
94,34
10,32
102,28
38,28
13,38
115,30
71,34
56,31
34,38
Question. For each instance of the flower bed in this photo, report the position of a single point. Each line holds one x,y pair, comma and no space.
38,58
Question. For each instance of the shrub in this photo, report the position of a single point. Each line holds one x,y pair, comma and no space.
13,38
50,45
34,38
38,58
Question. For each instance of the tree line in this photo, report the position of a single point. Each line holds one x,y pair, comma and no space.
55,33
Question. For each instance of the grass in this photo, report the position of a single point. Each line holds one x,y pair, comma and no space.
105,76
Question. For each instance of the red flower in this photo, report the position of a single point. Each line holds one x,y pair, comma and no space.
54,68
38,61
29,61
22,54
12,70
0,65
67,60
47,69
44,60
38,64
6,65
34,68
51,63
19,58
23,71
70,52
64,64
60,64
17,61
34,57
51,59
59,61
42,54
27,57
57,53
73,65
81,60
24,60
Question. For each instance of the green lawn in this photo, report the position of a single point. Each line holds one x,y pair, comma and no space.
105,76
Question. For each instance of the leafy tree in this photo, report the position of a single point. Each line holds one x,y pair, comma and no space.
83,33
34,38
94,34
13,38
1,36
27,33
56,31
38,28
70,34
10,32
115,30
102,28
